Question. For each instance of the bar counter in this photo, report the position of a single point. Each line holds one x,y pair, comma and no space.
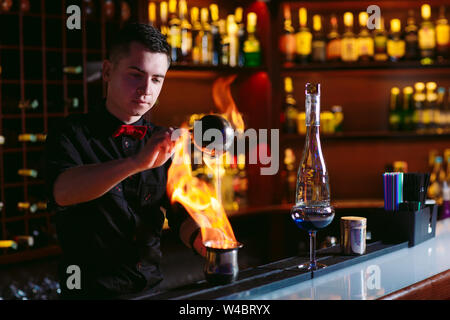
386,271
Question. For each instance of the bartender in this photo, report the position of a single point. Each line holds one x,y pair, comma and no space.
106,175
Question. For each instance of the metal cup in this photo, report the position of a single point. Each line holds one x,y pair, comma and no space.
353,235
221,265
215,122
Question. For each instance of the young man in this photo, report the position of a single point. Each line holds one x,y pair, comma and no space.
106,178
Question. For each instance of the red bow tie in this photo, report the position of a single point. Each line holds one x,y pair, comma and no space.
137,132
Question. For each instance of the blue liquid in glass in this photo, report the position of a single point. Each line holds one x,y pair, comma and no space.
312,218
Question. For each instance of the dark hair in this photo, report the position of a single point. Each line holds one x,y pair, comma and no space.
144,34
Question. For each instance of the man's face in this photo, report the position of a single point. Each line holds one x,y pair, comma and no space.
134,81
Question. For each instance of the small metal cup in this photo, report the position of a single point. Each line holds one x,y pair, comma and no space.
221,265
353,235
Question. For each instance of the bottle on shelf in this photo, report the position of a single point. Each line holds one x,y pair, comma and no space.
380,42
394,109
365,40
419,105
408,109
73,69
238,17
252,47
290,176
318,44
27,137
430,111
303,38
196,29
290,110
23,206
10,245
164,27
41,137
72,103
29,104
287,39
349,47
6,5
185,34
442,114
395,43
437,177
175,32
427,36
216,37
233,51
338,118
38,206
225,43
27,173
2,140
205,38
24,241
334,41
109,9
151,11
411,38
442,36
125,11
241,182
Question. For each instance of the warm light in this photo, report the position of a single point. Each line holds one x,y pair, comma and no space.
419,86
395,90
317,22
172,6
232,27
163,11
363,17
152,12
214,12
302,16
204,15
408,90
348,19
251,22
287,12
238,13
194,14
395,25
431,86
200,199
288,84
426,11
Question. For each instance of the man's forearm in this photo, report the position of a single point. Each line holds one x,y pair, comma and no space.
88,182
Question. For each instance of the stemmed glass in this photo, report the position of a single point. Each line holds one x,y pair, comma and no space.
312,210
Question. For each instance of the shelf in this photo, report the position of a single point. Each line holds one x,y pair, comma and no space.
29,148
28,216
50,49
31,254
18,82
22,184
375,135
40,115
370,65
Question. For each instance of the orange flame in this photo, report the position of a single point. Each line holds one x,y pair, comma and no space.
199,198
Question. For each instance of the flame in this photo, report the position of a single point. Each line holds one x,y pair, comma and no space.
200,199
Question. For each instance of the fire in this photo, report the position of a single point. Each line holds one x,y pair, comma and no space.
200,199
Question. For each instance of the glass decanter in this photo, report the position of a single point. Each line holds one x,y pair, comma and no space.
312,210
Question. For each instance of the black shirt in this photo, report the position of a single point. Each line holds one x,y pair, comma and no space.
114,239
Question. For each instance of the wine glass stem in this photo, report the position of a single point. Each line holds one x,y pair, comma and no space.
312,248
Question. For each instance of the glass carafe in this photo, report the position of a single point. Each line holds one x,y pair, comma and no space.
312,210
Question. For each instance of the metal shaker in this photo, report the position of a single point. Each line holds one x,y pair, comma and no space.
353,235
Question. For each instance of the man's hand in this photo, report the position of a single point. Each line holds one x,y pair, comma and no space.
156,151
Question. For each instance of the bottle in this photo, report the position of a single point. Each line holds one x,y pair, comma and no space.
334,41
238,15
395,43
338,118
303,38
109,9
442,36
290,110
252,47
349,47
10,245
430,110
175,32
41,137
441,116
287,39
427,36
411,38
164,28
380,42
24,241
312,210
419,105
6,5
242,182
408,109
196,29
38,206
319,49
28,104
72,103
27,173
125,11
23,206
437,178
232,29
290,175
216,37
2,140
27,137
186,34
151,9
365,40
225,43
205,38
72,69
394,109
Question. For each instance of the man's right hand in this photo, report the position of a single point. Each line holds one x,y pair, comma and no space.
158,149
